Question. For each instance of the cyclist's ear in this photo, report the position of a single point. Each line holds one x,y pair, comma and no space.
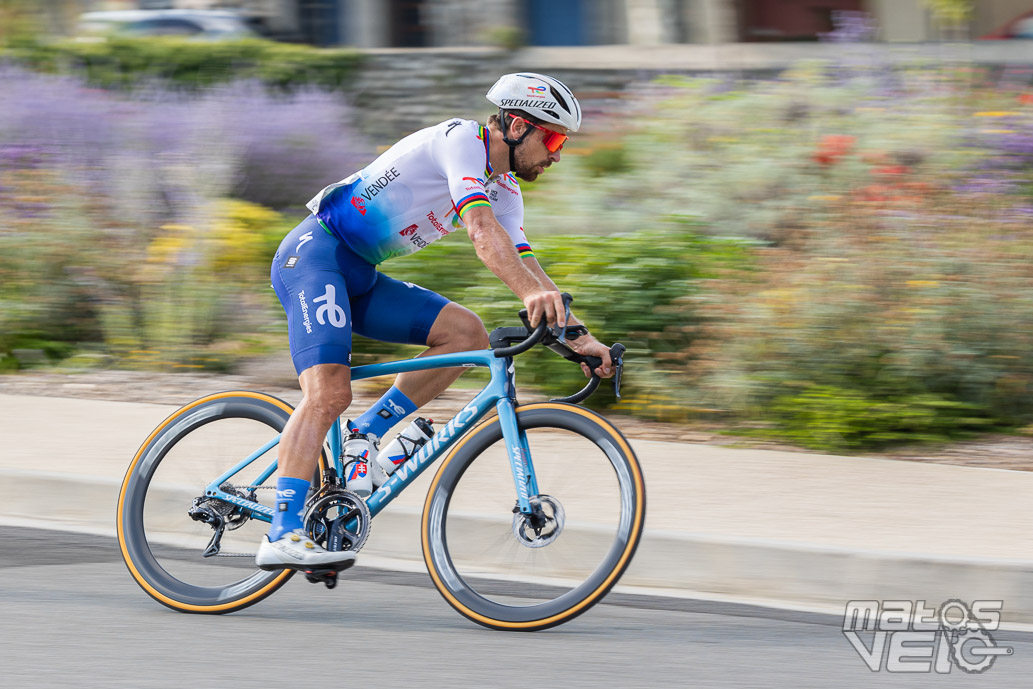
516,126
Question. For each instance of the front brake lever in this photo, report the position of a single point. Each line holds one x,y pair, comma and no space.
617,358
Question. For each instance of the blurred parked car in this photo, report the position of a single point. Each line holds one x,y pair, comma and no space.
199,24
1019,27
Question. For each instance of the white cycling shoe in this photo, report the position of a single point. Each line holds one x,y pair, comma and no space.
295,550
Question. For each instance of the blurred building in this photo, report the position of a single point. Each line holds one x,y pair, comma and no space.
442,23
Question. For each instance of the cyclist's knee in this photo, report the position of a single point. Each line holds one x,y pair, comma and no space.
460,329
327,389
330,404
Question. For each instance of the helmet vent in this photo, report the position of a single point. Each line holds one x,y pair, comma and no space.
559,99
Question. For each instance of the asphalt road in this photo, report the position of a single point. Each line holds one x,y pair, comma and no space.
72,616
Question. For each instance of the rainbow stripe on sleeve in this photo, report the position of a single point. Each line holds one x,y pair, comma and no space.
478,198
524,250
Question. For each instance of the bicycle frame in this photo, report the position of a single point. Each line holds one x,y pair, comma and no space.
500,393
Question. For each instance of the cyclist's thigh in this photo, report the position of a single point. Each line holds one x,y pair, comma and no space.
313,273
396,311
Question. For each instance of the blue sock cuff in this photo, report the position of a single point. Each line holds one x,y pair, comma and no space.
389,410
290,505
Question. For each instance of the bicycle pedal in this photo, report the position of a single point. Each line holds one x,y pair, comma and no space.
328,577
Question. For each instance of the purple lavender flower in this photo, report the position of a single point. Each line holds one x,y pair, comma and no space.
851,27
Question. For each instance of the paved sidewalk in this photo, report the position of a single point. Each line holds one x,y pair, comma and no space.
793,529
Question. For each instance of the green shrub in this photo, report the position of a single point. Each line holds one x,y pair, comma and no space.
837,419
130,62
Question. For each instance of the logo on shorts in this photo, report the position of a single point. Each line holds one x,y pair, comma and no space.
359,204
304,312
291,262
330,310
409,231
307,237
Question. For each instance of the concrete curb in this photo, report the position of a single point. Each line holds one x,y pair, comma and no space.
781,573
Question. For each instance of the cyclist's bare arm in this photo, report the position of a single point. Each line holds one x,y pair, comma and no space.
495,249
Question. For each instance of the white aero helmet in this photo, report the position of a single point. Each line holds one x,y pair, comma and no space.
539,96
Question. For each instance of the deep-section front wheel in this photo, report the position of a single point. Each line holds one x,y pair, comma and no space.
162,509
507,571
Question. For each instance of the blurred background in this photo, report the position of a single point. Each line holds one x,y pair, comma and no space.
810,220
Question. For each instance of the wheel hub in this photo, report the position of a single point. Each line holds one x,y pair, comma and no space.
542,526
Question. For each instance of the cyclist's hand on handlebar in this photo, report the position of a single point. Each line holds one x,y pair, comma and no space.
589,346
547,304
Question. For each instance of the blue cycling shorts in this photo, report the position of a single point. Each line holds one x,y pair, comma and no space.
329,292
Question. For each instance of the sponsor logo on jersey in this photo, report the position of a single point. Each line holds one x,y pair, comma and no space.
494,194
359,204
380,183
508,188
437,225
409,231
291,262
536,91
528,103
473,184
452,125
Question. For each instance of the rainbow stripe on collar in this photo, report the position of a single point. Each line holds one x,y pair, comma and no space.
484,135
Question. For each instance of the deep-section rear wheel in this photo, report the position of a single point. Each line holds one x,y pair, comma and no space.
165,522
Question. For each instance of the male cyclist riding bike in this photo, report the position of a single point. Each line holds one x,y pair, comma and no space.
454,175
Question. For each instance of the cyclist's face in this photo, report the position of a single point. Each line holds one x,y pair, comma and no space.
532,157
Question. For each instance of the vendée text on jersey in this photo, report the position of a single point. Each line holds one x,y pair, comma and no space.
380,183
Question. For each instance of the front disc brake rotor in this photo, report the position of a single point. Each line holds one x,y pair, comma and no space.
531,536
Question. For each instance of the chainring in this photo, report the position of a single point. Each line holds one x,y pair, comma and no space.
328,514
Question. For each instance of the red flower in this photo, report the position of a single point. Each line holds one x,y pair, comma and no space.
891,170
1026,99
833,147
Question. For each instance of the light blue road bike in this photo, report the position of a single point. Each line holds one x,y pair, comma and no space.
532,517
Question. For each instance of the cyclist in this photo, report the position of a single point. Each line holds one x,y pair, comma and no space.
454,175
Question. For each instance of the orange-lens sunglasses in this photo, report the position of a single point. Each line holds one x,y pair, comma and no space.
553,140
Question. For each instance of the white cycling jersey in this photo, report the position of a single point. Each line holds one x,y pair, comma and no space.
418,191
